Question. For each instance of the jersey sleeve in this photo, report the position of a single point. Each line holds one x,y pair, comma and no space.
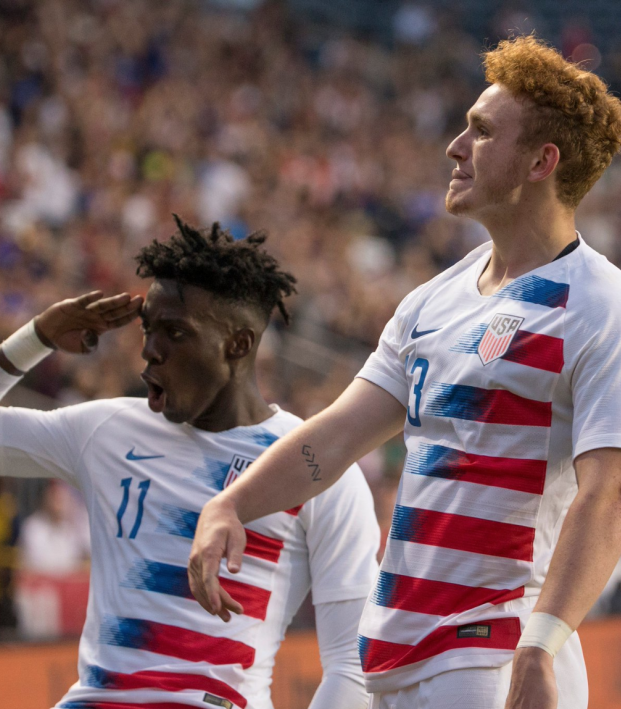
342,536
384,367
342,685
46,443
596,381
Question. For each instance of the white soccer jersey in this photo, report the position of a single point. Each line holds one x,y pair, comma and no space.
502,392
147,643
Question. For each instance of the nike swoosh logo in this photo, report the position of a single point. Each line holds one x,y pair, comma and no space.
132,456
416,334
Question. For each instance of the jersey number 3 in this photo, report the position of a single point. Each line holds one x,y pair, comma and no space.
419,368
144,488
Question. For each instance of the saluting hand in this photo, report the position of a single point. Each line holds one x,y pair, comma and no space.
74,325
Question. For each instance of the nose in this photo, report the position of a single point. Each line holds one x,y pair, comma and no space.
151,351
458,149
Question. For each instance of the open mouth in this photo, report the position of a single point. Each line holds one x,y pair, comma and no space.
155,394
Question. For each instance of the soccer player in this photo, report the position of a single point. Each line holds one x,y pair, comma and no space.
505,373
146,469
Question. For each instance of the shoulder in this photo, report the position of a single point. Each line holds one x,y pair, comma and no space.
594,289
282,420
593,310
417,298
602,273
86,418
104,408
280,423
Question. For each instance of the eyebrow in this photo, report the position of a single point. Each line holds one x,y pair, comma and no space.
165,321
477,118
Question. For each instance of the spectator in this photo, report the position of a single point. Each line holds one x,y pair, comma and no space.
54,540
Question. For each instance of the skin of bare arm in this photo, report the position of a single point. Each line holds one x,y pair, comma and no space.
296,468
589,546
74,325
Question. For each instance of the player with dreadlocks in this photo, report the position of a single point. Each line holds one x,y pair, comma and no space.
145,476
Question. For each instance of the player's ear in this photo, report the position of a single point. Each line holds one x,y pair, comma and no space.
544,163
240,343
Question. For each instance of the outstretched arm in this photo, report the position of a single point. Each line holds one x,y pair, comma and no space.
73,325
588,548
301,465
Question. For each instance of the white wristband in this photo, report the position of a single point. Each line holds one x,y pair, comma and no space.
546,632
24,349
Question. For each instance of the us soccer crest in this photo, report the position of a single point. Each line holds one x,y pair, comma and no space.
236,468
498,336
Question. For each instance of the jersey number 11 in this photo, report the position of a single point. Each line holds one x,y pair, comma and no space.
144,488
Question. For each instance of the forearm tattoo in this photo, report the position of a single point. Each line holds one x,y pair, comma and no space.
311,463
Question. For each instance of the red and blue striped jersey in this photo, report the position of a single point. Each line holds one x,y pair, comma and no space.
501,392
146,641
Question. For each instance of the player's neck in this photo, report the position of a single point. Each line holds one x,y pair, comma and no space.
524,241
238,406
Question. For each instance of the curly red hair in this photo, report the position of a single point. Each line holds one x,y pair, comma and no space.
569,107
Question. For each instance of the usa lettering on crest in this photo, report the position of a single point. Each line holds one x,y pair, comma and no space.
238,466
498,336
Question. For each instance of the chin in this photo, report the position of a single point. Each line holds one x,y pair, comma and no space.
174,416
459,204
454,205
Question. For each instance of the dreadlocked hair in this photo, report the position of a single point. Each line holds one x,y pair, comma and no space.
213,260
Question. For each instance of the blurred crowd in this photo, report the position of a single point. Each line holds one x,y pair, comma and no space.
114,115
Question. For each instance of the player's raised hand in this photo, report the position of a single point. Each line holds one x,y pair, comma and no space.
219,534
533,684
74,325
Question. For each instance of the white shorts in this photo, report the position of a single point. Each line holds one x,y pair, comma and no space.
488,687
